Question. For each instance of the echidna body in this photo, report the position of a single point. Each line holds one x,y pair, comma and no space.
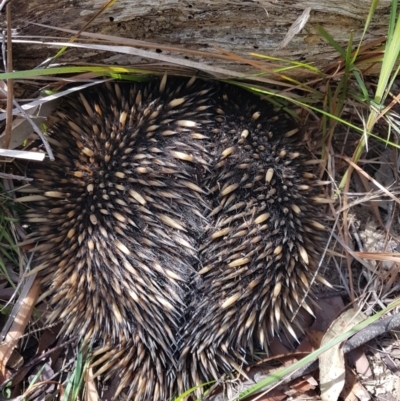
121,214
260,253
176,229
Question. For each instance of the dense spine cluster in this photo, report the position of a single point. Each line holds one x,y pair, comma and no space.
260,253
176,229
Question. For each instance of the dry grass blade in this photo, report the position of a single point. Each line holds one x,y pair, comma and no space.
101,38
97,14
41,101
10,92
218,72
21,154
381,256
362,172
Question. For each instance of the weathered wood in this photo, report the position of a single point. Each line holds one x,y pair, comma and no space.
235,26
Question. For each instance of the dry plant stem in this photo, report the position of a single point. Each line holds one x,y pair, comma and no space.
73,39
34,392
372,204
354,166
14,177
362,337
34,126
4,3
218,72
223,55
363,54
394,101
10,92
256,64
91,393
346,241
20,374
18,327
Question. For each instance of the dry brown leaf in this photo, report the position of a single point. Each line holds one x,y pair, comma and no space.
359,360
277,348
331,363
353,390
315,337
274,395
326,312
303,385
306,346
47,339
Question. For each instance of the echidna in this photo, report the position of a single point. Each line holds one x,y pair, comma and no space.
176,229
260,253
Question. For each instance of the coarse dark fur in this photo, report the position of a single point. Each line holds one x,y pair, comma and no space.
177,229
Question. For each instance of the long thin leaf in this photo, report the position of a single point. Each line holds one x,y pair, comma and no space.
313,356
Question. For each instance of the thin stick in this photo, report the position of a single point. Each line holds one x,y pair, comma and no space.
10,92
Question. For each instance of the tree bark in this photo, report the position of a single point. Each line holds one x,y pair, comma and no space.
238,27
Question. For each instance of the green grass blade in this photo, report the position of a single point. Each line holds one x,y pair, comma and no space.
104,70
371,13
390,58
75,379
361,85
313,356
184,395
331,41
386,77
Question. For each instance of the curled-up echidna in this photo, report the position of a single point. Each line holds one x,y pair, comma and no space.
120,215
176,229
261,250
